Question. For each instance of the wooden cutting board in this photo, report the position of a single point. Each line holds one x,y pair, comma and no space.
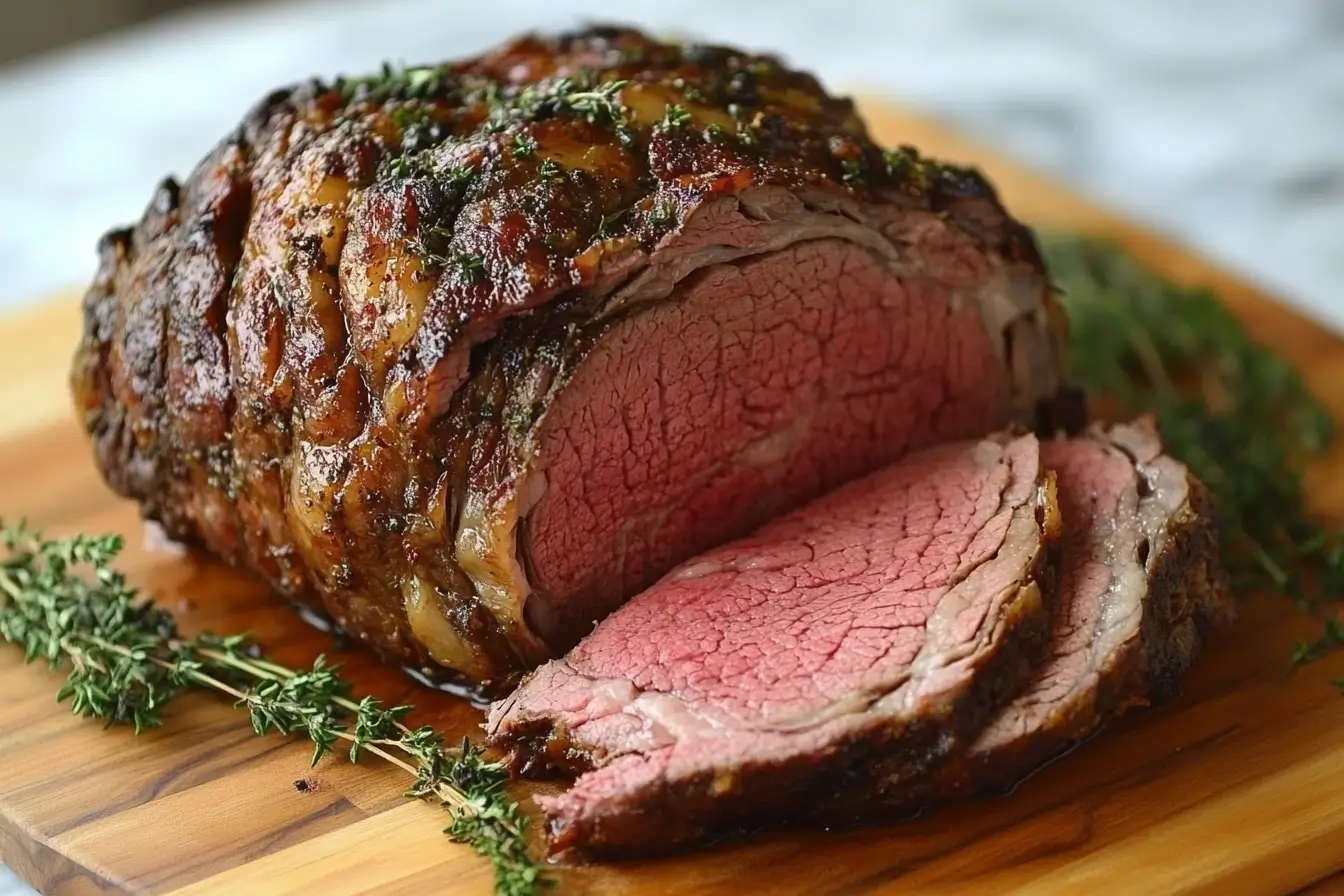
1234,788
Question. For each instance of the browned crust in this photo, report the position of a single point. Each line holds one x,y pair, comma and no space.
225,332
851,781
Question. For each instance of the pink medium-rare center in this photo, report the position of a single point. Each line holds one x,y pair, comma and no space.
771,380
848,638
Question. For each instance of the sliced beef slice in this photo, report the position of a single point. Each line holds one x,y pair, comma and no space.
842,648
466,361
1139,583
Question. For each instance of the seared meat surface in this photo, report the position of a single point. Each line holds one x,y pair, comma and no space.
467,355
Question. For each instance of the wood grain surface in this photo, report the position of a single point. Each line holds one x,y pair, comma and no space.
1233,788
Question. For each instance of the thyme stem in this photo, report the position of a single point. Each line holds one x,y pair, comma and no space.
61,600
1238,415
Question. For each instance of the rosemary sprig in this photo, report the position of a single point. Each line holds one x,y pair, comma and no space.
1238,415
125,660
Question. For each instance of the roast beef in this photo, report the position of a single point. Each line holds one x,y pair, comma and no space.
1139,585
468,354
730,693
840,650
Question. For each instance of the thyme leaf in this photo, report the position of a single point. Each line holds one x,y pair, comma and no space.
396,82
1234,412
549,169
524,146
62,602
663,212
674,118
608,225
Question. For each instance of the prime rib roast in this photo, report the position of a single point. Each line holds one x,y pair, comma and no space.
852,658
467,356
1138,587
840,650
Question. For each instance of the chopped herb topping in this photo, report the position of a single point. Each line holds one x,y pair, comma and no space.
405,167
906,163
581,96
470,266
675,118
606,228
524,146
550,169
396,82
412,115
460,176
664,212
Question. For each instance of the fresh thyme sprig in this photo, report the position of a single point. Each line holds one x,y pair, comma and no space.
125,660
674,118
905,161
1237,414
597,102
396,82
524,146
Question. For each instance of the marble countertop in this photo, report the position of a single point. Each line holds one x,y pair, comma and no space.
1218,121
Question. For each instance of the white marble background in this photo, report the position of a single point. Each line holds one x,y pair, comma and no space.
1220,121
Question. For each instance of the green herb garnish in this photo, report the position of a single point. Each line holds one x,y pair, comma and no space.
396,82
674,118
606,228
664,212
405,167
470,265
582,96
524,146
549,169
125,660
1238,415
906,162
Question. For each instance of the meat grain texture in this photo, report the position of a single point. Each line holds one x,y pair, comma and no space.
465,356
810,671
1140,586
